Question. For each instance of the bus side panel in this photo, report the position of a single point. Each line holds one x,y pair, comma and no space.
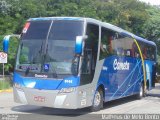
121,76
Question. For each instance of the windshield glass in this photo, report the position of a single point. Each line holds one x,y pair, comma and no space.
48,46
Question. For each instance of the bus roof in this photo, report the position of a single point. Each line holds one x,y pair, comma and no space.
57,18
107,25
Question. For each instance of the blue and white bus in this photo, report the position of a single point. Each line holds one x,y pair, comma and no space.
73,62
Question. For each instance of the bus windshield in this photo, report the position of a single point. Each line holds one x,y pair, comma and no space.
48,46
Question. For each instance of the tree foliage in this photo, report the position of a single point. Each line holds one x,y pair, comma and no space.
152,25
132,15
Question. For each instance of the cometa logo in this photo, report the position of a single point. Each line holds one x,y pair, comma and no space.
120,65
41,76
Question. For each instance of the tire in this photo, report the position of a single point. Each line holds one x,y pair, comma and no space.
97,101
141,93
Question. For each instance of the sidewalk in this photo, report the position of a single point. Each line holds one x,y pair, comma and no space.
155,91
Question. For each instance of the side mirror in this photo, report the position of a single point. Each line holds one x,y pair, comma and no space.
6,42
79,44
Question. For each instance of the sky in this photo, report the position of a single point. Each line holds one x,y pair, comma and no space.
152,2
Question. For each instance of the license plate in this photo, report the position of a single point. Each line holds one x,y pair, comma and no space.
39,98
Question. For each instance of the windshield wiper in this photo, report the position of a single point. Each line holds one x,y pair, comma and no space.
55,73
27,71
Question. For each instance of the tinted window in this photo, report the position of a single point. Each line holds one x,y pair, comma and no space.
37,30
66,30
112,43
90,54
150,52
106,46
55,46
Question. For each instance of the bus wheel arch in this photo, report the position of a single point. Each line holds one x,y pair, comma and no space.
98,99
141,92
103,90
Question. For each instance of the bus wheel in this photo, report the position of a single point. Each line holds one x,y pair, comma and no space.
97,101
141,93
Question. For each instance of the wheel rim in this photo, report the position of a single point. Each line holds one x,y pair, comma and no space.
97,99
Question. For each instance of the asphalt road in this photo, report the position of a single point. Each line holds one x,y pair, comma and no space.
148,105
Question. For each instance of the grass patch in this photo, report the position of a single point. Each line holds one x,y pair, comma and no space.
4,84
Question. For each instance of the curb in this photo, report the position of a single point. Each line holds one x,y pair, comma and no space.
7,90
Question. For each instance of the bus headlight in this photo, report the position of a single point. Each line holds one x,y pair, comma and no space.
67,90
18,86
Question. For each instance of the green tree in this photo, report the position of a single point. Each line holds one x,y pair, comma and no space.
152,25
132,15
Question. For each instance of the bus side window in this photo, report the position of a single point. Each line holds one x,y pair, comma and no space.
87,58
150,53
105,46
135,51
90,51
128,52
120,51
144,53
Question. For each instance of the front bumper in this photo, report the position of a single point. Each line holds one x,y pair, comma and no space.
80,98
